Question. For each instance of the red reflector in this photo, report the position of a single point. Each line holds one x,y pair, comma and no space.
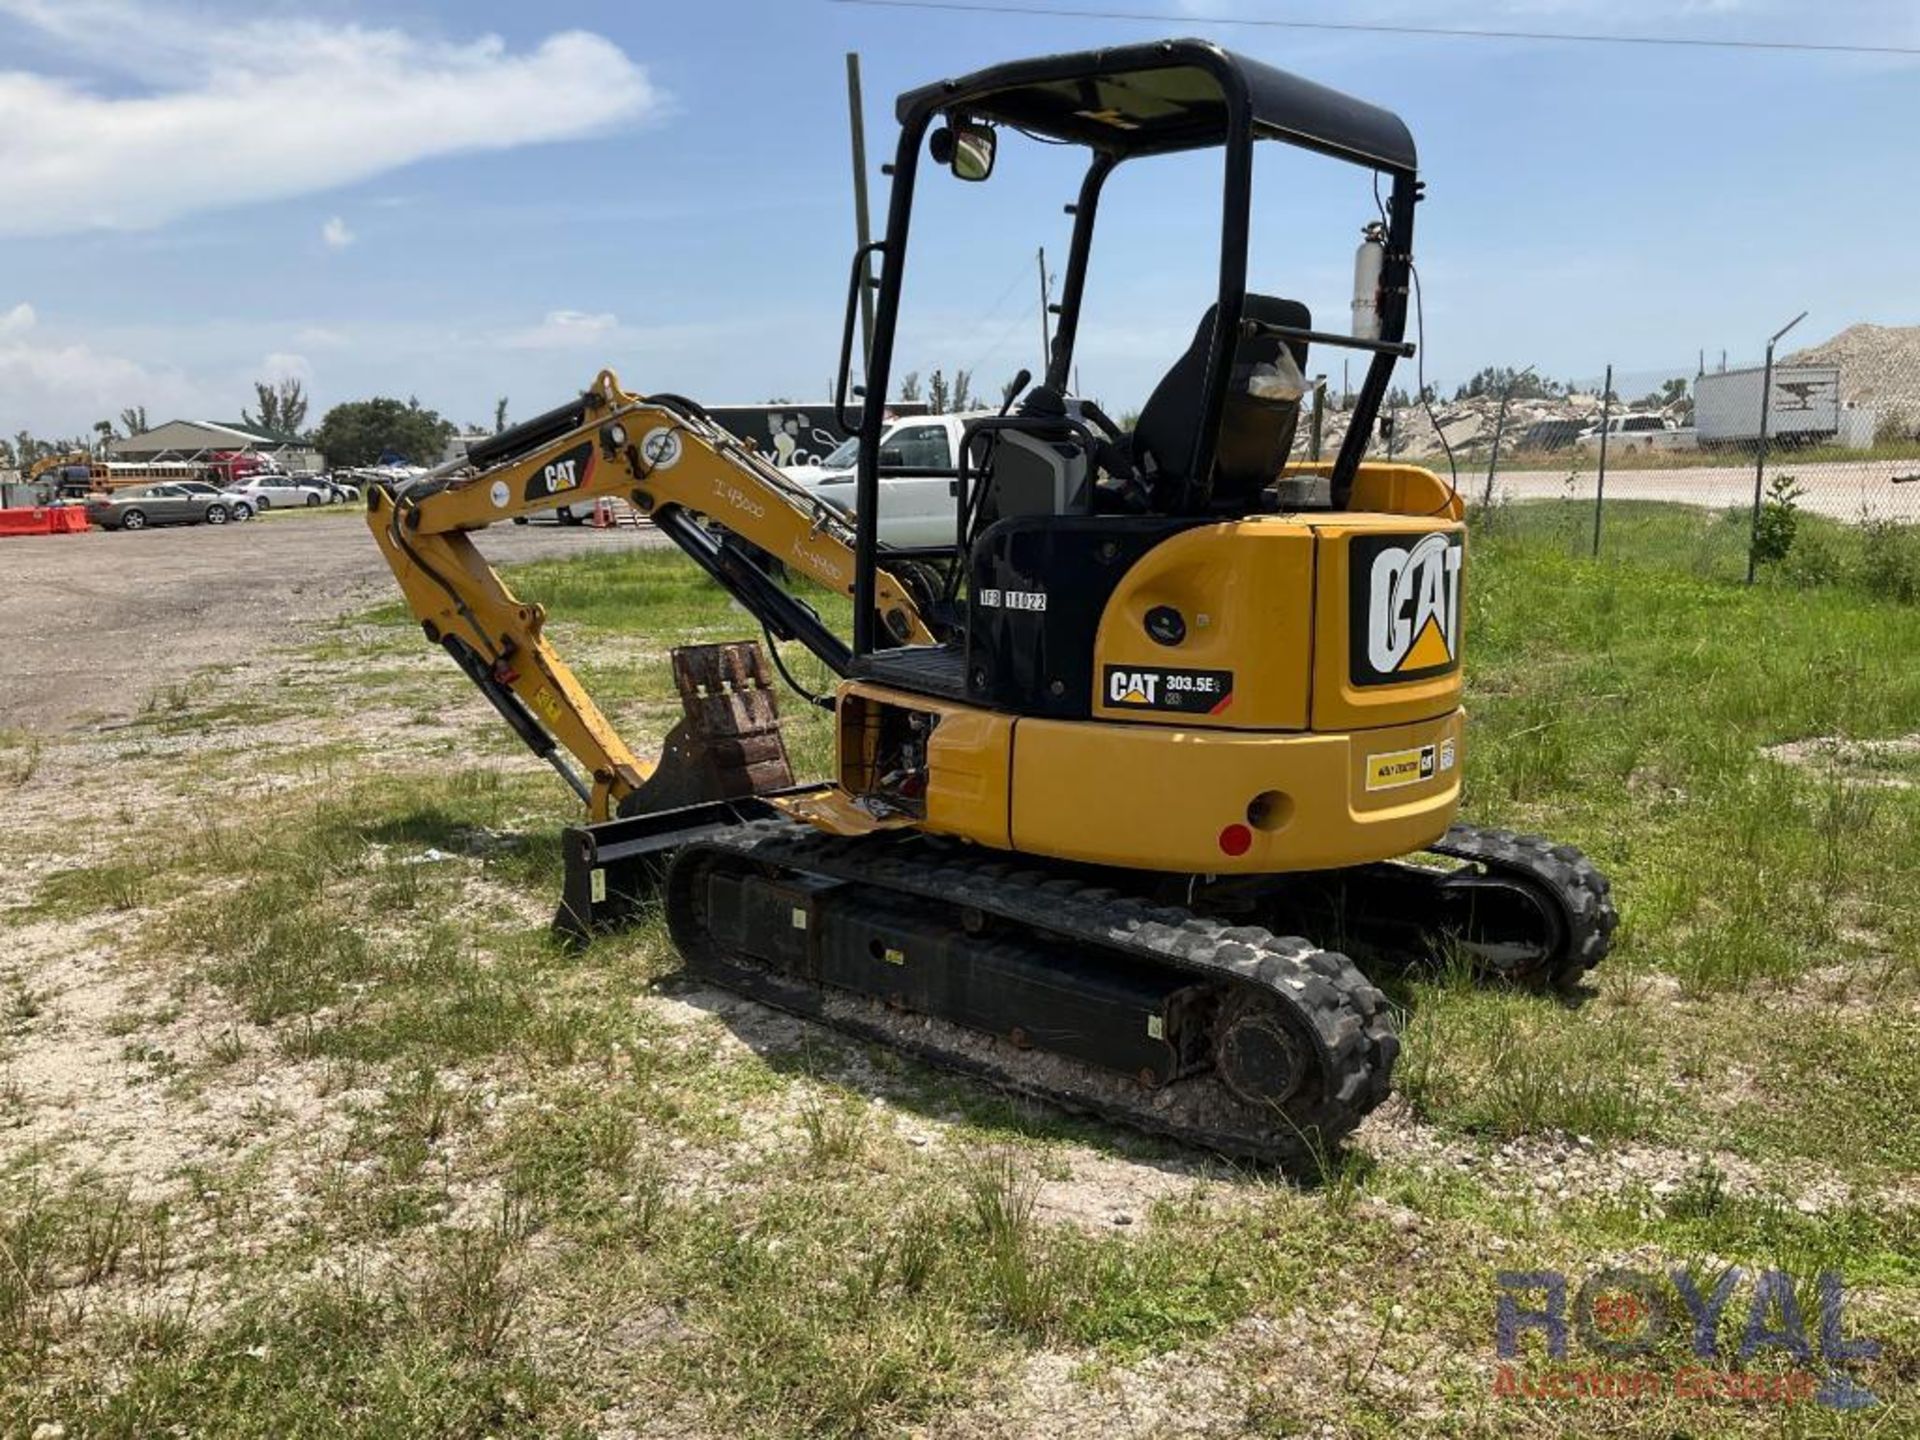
1236,840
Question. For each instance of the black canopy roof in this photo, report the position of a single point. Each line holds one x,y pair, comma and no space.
1167,95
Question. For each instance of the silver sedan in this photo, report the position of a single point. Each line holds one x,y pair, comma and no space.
168,504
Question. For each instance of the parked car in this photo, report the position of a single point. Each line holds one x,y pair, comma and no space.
238,506
1549,435
168,504
558,515
338,490
278,492
914,509
1638,432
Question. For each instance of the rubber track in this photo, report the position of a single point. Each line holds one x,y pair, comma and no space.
1579,891
1347,1016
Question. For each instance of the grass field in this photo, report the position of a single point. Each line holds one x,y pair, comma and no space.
365,1153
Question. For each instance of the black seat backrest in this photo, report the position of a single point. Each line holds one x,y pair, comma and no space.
1255,433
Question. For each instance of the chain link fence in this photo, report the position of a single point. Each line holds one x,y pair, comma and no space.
1808,471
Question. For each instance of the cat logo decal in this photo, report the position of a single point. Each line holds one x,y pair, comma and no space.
1405,606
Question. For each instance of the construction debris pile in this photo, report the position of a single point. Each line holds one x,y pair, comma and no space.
1544,423
1879,369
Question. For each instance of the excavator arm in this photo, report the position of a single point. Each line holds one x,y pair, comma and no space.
675,466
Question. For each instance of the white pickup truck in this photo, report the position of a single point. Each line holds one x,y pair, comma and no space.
1637,432
914,510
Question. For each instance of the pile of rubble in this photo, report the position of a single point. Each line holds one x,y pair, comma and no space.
1879,368
1547,423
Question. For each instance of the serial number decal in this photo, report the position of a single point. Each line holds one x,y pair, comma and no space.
1192,692
824,566
1014,599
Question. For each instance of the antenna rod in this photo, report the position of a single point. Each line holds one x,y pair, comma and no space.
1046,338
861,224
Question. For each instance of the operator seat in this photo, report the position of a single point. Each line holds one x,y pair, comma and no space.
1255,432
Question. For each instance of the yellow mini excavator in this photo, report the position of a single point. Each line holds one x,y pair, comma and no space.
1167,703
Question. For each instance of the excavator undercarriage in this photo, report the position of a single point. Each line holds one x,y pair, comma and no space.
1198,1015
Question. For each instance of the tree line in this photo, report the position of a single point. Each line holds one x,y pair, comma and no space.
353,433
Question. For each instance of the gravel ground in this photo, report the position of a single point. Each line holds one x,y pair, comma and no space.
1884,489
136,611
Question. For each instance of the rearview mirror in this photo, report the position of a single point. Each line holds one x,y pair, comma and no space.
964,148
892,455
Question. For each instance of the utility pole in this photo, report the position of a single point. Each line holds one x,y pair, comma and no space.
862,228
1046,337
1760,454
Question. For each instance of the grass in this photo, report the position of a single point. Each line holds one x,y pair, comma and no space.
533,1192
278,513
1878,559
20,756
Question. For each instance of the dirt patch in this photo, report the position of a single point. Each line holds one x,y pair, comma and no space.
99,621
1892,764
102,1073
1555,1169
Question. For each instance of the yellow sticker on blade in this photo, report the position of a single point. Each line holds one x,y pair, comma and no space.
547,703
1400,767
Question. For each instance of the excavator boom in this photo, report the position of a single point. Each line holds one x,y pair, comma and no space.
699,486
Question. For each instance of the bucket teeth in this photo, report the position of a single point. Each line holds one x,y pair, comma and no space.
728,742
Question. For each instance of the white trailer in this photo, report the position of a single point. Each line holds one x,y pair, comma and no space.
1805,406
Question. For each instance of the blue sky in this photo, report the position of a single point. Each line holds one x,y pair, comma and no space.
462,201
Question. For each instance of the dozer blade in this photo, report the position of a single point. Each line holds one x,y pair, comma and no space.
718,767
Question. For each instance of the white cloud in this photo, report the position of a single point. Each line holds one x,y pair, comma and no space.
53,388
271,108
565,330
282,366
18,320
336,233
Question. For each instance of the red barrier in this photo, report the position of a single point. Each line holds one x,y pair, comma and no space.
44,520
